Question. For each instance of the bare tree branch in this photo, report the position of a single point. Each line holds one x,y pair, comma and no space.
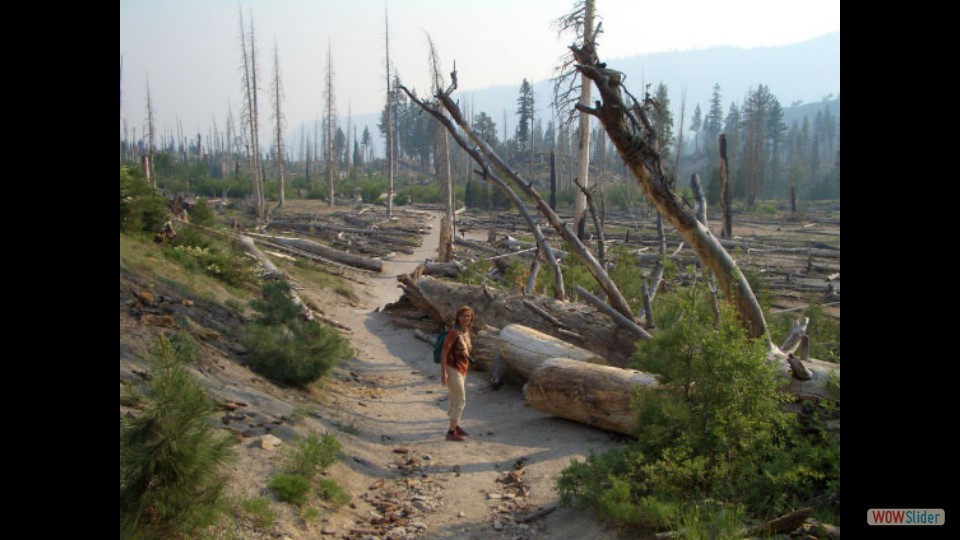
488,174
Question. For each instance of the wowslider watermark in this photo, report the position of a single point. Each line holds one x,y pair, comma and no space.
904,516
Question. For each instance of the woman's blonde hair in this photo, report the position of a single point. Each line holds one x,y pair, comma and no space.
461,311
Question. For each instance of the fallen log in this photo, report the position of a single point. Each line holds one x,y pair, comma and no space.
591,394
449,269
440,300
781,525
537,514
349,259
324,227
475,245
269,270
309,312
524,349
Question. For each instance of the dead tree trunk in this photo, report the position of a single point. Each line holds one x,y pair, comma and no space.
601,249
629,128
793,193
553,180
591,394
726,229
444,173
583,153
525,349
278,96
390,157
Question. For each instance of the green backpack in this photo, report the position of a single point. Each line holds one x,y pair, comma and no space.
438,345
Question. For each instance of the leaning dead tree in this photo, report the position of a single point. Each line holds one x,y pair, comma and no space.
485,156
629,128
488,174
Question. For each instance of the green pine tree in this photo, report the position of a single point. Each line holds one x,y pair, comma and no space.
170,454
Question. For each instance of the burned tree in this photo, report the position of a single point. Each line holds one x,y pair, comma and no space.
444,173
630,130
278,116
329,125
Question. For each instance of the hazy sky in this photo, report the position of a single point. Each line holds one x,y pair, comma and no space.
189,49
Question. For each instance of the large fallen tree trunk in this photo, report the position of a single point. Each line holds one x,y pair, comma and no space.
374,265
449,269
440,299
601,396
588,393
525,349
269,270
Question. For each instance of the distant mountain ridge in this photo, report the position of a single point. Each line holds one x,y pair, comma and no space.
806,71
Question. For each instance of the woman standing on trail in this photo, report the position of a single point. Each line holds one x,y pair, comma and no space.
454,362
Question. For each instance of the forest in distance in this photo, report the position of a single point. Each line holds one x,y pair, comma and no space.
663,274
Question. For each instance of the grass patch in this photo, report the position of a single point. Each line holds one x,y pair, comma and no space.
259,510
291,488
141,256
305,463
332,493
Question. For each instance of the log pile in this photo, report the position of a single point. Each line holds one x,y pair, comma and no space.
365,234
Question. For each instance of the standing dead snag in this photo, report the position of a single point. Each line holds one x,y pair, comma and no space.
629,129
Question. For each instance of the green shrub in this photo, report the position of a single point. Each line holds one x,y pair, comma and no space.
169,454
285,348
196,251
712,433
314,455
475,272
333,493
202,213
291,488
310,514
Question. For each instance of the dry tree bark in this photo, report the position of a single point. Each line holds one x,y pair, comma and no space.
591,394
525,349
